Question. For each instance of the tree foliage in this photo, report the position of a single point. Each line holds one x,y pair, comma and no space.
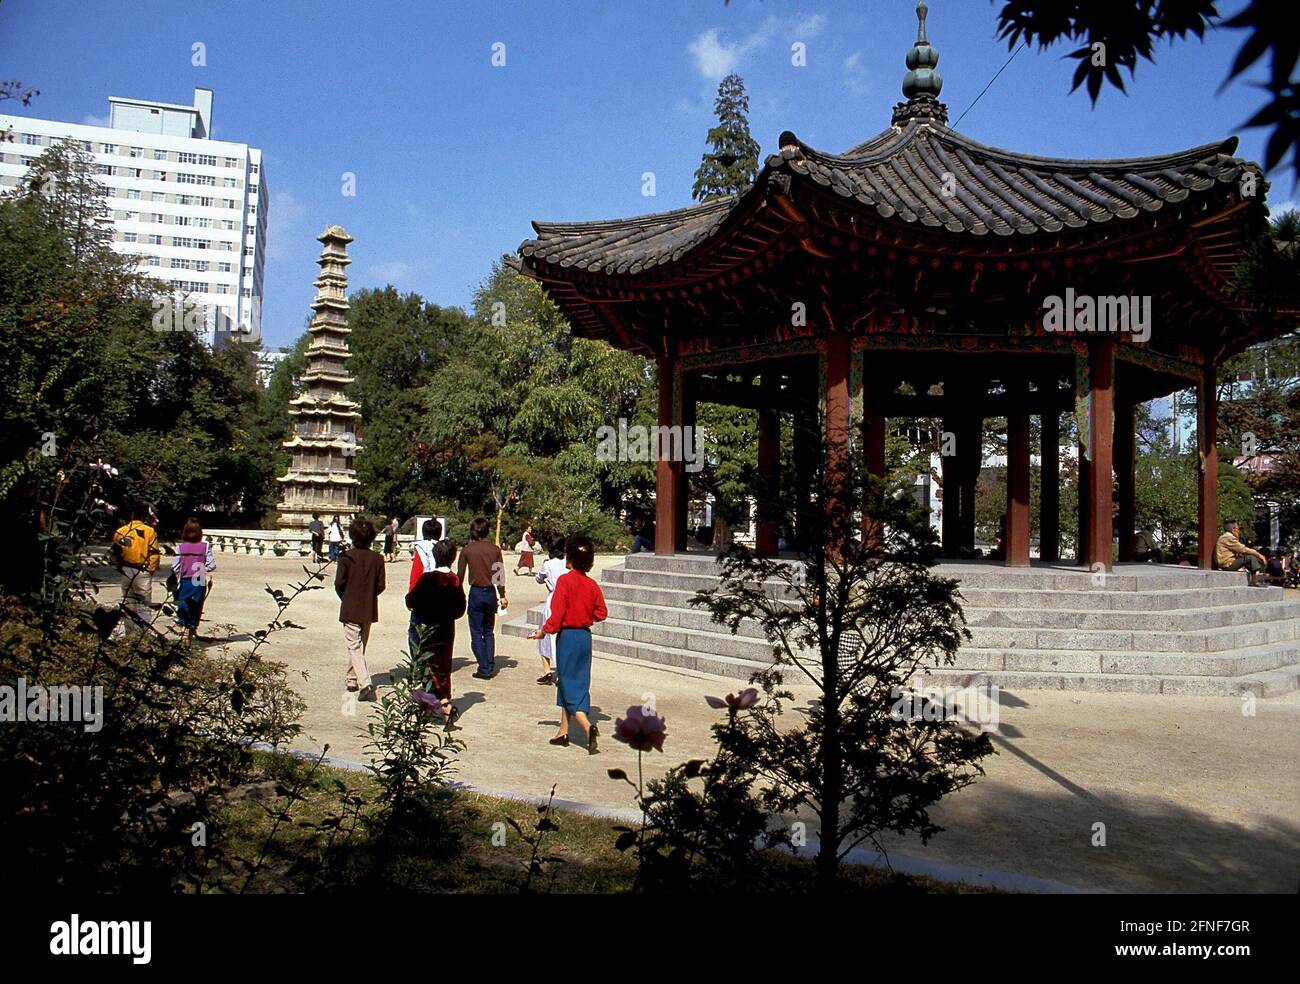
731,164
1128,29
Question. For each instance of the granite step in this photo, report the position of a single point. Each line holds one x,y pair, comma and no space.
1269,683
1172,620
1144,629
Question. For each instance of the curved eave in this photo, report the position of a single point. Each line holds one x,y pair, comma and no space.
923,185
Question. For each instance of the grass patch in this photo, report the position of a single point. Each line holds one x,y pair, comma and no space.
324,845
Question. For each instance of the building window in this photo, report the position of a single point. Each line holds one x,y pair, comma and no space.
231,182
108,148
196,179
133,194
129,237
182,241
158,155
32,139
203,223
86,145
155,239
136,152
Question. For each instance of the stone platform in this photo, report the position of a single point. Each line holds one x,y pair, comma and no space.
1142,629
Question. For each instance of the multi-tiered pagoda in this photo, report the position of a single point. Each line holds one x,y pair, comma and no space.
322,477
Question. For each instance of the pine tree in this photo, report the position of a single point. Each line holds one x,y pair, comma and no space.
732,164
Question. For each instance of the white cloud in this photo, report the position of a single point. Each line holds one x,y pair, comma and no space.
390,272
91,120
715,58
284,213
856,78
1278,208
810,27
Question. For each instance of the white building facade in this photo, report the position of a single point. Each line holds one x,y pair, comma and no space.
194,209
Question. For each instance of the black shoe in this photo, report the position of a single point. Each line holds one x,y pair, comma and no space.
546,679
592,735
453,716
561,740
482,676
367,695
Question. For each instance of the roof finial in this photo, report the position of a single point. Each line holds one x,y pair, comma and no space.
922,84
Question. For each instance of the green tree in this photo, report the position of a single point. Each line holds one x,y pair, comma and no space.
513,418
399,343
731,164
729,434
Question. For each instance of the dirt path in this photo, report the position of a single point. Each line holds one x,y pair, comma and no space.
1194,796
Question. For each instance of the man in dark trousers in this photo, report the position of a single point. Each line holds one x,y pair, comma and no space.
487,584
317,530
436,602
359,581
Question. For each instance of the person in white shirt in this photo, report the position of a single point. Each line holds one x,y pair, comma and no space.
335,537
549,574
422,562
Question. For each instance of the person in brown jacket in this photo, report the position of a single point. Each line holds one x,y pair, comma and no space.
359,581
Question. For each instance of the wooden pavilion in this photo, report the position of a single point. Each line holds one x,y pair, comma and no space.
909,277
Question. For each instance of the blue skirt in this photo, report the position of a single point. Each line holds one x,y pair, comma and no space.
573,670
189,602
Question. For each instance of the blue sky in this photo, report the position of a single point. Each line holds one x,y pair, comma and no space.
453,156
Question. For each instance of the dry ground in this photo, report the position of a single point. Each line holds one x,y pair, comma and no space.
1194,795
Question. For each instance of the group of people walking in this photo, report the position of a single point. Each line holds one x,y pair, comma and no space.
137,555
437,598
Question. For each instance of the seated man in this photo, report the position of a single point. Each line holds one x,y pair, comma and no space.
1145,549
1230,554
1273,567
643,535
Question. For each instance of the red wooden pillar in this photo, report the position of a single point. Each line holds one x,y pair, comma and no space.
1207,485
1101,436
873,449
1125,466
950,516
1017,541
669,473
1081,492
970,453
769,467
1049,480
689,403
839,475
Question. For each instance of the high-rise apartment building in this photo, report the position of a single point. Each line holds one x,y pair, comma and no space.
193,208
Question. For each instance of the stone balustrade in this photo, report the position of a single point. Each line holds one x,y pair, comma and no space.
276,543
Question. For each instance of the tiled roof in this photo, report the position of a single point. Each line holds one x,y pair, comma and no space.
921,174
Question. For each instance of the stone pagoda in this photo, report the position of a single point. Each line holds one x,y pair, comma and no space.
322,476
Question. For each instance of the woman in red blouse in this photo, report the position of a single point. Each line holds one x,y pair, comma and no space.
576,604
